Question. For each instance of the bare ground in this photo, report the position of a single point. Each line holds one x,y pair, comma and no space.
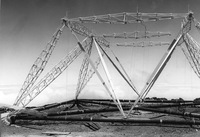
78,129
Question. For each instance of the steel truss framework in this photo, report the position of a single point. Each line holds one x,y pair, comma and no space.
30,90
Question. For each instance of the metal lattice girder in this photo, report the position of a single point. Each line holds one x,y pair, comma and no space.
161,65
192,53
193,48
98,74
128,17
111,92
144,44
102,41
185,28
83,71
136,35
77,28
191,61
187,23
53,74
84,31
39,65
81,30
91,72
126,78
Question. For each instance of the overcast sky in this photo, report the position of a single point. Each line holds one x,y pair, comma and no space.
26,26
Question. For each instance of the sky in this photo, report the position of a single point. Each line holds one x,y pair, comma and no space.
26,26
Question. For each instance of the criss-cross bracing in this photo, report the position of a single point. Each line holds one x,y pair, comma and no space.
30,89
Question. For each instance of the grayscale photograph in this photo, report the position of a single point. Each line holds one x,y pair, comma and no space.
100,68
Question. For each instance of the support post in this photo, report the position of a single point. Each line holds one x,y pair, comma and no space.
109,77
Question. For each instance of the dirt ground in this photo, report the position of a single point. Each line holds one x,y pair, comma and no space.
35,128
78,129
106,130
